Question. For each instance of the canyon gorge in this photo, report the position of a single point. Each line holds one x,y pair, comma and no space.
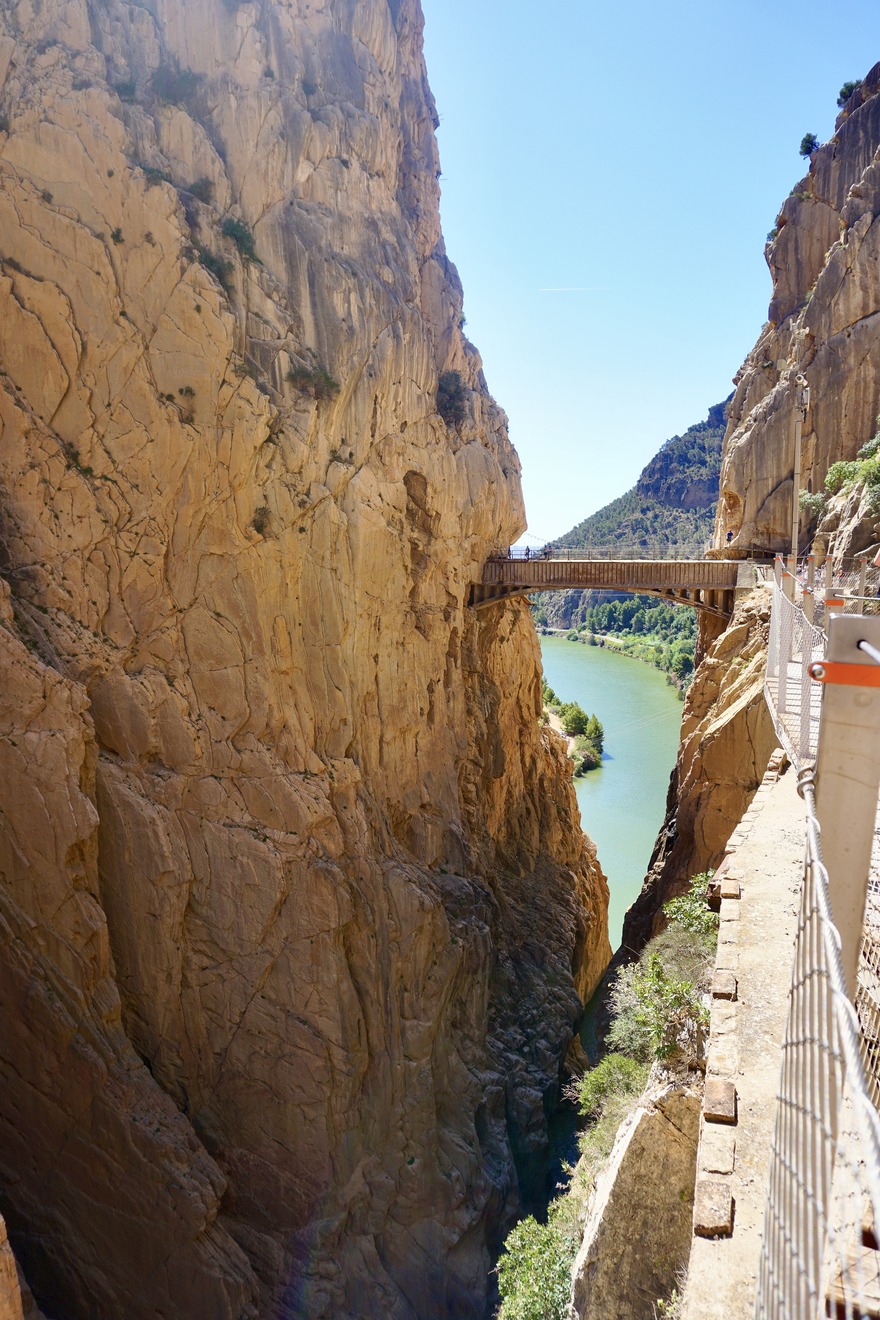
298,918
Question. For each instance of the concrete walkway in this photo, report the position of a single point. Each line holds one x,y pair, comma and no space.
754,962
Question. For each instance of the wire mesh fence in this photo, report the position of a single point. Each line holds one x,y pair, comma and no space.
820,1247
794,700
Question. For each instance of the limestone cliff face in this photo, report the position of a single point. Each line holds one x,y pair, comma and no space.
824,321
296,909
727,736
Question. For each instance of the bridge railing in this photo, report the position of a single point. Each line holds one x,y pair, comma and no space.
822,1218
652,550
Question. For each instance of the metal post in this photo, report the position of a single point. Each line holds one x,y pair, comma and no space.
829,577
863,575
801,404
811,571
848,781
809,604
789,579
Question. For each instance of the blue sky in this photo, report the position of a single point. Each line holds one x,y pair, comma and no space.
609,177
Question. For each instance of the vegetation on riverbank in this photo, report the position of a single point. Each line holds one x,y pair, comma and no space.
658,1015
641,626
587,737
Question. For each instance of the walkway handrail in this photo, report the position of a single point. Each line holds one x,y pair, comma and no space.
823,1204
690,551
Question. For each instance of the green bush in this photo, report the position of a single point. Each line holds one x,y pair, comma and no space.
126,91
656,1015
870,448
241,236
846,92
534,1271
219,267
690,910
840,474
595,734
154,176
809,144
202,189
616,1075
452,398
313,380
812,502
173,85
573,717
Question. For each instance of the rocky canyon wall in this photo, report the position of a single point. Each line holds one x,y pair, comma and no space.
296,910
823,322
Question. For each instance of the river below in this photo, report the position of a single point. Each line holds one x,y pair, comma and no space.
623,801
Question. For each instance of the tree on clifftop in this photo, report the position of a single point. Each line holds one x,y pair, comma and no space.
809,144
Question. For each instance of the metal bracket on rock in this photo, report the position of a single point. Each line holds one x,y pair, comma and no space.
839,671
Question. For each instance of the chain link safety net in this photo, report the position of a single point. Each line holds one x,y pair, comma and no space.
795,701
819,1254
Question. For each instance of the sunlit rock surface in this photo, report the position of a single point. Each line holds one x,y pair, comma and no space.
296,908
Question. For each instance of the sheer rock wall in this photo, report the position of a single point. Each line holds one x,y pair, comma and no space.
824,321
295,901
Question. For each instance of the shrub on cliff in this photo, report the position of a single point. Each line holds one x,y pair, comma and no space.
657,1003
174,86
846,92
534,1271
451,398
617,1074
241,236
314,381
809,144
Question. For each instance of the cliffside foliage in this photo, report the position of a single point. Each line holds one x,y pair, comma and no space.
846,475
452,398
314,381
241,236
657,1015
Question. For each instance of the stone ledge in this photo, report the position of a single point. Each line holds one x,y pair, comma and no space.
724,985
719,1101
713,1208
717,1149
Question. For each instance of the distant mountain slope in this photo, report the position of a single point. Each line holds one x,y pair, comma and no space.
672,505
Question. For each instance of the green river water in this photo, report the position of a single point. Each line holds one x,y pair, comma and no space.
623,801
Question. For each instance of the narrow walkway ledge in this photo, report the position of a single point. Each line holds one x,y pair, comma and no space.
764,867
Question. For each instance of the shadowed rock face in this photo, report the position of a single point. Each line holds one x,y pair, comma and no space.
824,321
295,905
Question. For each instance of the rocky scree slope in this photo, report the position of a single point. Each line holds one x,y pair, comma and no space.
296,910
824,322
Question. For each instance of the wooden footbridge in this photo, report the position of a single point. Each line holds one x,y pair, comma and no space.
707,584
